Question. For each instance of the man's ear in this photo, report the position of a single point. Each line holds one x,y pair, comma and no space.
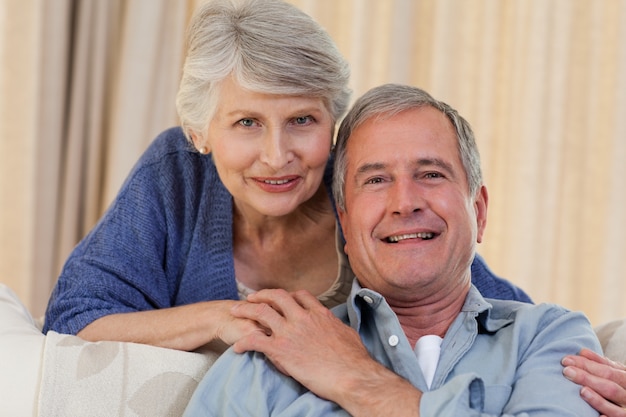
342,221
480,204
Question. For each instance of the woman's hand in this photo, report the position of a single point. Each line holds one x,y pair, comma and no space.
230,328
603,381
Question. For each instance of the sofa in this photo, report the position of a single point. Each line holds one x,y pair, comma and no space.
61,375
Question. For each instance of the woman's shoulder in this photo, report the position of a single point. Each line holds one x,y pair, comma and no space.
170,141
492,286
169,167
171,153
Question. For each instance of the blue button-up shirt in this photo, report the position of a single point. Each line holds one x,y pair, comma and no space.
498,358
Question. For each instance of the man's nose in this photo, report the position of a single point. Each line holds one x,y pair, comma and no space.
405,197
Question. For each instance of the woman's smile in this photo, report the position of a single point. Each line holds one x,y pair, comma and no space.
278,184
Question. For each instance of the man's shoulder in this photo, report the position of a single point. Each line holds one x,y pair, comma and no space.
536,316
503,309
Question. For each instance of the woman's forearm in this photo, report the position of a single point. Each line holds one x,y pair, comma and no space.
184,327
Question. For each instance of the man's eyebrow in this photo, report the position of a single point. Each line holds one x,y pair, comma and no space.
438,162
371,166
421,162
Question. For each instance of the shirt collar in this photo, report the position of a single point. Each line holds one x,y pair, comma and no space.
475,304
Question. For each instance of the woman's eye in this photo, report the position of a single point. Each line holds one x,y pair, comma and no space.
246,122
303,120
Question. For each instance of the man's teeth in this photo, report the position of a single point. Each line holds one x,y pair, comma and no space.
276,182
422,235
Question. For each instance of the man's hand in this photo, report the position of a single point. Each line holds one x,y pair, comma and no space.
304,340
603,381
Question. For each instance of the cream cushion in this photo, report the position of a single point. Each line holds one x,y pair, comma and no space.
21,353
57,375
612,337
106,379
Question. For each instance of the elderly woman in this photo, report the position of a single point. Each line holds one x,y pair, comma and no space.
235,200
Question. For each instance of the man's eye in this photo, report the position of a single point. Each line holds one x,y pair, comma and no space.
433,175
375,180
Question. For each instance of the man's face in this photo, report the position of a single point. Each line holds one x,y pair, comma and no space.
410,224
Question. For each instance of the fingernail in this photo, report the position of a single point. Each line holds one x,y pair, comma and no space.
569,373
567,361
584,392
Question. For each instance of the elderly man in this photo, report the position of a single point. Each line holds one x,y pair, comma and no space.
422,340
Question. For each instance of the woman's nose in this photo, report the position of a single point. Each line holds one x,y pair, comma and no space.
276,150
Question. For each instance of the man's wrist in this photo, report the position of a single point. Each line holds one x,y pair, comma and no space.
378,391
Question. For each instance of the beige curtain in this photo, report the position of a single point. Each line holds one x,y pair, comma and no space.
101,77
543,82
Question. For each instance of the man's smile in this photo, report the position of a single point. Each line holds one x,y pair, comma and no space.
420,235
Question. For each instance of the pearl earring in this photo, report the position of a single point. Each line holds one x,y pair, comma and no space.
204,150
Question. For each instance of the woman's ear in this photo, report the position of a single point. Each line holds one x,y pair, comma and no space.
199,143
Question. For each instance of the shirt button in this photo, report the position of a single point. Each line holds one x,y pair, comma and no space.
393,340
368,299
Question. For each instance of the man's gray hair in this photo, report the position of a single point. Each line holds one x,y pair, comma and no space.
386,101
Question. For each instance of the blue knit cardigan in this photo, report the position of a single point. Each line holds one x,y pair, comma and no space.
166,240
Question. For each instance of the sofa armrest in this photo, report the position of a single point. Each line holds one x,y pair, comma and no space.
612,337
21,353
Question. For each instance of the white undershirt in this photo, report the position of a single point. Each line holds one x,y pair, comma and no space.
427,350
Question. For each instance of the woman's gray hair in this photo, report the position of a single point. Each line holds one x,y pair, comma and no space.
386,101
268,46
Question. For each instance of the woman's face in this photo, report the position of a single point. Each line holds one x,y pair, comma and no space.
270,150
